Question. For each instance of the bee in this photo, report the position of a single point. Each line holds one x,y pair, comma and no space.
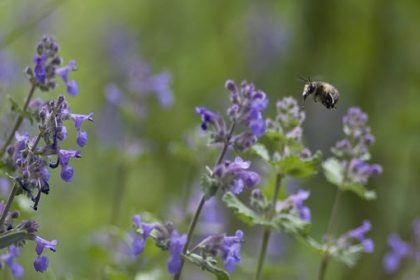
325,92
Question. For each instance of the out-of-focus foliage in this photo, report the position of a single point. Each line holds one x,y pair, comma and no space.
367,49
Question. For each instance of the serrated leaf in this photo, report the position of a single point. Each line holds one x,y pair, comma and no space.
261,151
295,166
360,190
12,237
246,214
349,255
333,171
207,265
291,224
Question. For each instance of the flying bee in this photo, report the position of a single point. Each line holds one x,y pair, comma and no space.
325,92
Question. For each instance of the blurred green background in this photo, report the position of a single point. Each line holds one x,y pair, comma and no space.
368,49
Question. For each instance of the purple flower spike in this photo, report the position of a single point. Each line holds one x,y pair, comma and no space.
72,87
176,245
78,120
41,263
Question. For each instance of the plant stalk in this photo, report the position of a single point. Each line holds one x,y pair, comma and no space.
200,205
267,229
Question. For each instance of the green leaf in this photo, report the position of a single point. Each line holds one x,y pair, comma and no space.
291,224
261,151
360,190
349,256
295,166
11,237
246,214
333,171
207,265
209,185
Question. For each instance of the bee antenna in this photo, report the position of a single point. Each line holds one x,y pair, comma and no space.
306,80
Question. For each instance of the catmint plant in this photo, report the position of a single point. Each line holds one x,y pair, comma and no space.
349,170
29,156
243,126
403,251
282,148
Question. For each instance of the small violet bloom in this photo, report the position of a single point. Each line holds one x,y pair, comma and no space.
295,203
234,176
64,159
41,262
82,136
176,245
139,238
358,234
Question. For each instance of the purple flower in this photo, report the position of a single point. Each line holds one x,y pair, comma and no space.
41,263
358,234
78,120
399,250
176,245
209,118
40,71
72,87
234,176
113,94
227,246
295,202
139,238
161,83
8,258
64,159
360,172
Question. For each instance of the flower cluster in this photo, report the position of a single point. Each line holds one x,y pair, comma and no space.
354,149
47,61
358,234
402,250
32,161
167,238
234,176
228,247
30,228
246,109
288,123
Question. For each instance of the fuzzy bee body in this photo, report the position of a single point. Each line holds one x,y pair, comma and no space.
321,91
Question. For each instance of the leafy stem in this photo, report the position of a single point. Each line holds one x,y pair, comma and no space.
330,230
267,229
200,205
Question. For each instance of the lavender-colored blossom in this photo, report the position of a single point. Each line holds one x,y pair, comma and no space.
234,176
64,159
228,247
4,186
139,238
41,263
358,234
295,203
176,245
399,250
360,172
72,87
78,120
8,259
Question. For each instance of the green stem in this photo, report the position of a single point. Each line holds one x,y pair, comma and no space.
119,193
8,204
325,259
267,230
200,205
18,122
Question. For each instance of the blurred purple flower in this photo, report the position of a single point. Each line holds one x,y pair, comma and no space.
8,259
176,245
233,175
295,203
358,234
